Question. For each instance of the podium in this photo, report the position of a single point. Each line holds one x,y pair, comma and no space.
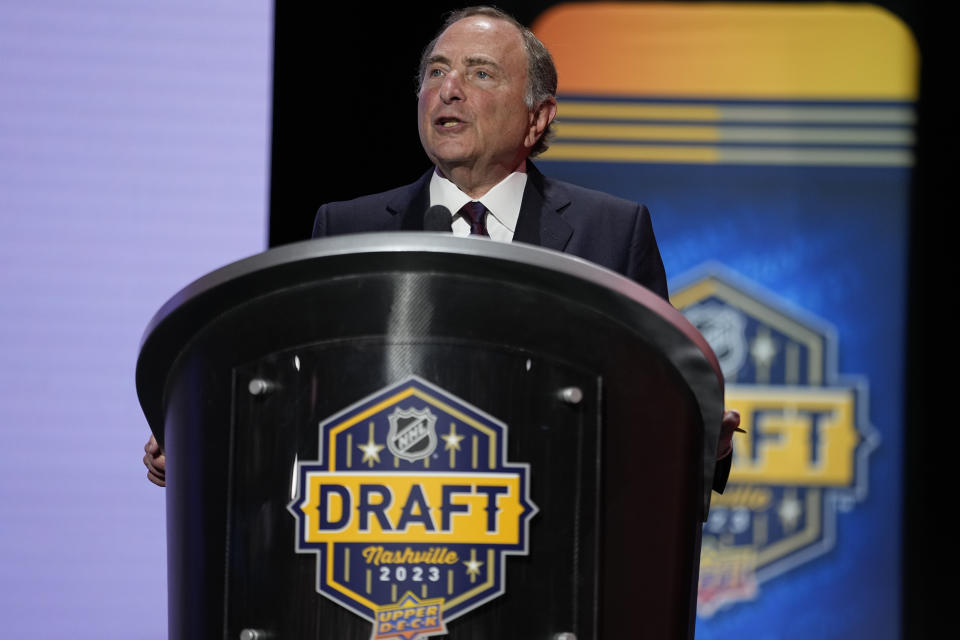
407,435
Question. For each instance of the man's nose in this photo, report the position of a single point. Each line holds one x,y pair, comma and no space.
452,88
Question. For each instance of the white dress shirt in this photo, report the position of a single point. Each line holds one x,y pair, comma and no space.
502,201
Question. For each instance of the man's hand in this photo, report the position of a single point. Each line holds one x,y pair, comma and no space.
155,462
729,424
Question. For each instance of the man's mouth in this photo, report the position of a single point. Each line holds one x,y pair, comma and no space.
448,123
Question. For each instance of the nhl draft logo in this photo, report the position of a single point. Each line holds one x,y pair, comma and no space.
807,443
411,509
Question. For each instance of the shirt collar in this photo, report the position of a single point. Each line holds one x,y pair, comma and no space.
502,201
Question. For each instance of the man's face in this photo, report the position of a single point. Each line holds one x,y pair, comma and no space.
471,109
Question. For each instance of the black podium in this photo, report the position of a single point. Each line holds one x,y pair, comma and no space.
413,435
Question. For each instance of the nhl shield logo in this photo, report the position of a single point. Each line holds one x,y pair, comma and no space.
724,328
412,509
412,434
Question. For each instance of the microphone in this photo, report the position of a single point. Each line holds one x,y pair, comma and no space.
438,218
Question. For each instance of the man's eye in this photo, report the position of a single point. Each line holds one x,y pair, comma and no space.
483,75
435,73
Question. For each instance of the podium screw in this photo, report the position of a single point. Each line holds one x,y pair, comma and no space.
571,395
259,387
254,634
565,635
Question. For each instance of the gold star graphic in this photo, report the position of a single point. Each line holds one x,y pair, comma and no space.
452,438
371,450
790,511
763,350
473,565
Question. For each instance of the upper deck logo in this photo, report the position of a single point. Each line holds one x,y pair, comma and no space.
807,443
412,509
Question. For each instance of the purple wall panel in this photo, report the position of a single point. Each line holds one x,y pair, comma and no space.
134,144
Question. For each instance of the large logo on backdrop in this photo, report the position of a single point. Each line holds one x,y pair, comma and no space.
805,451
412,509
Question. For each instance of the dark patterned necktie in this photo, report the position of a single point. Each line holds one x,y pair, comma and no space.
475,213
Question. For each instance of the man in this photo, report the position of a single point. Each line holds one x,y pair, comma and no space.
486,101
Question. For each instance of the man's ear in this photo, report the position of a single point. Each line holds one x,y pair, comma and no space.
540,119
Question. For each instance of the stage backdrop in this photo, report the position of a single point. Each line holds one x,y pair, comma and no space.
773,145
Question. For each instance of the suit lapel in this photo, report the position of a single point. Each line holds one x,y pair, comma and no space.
540,222
411,203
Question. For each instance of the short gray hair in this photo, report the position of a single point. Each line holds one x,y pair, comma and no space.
541,72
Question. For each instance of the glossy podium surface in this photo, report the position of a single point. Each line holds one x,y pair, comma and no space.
605,392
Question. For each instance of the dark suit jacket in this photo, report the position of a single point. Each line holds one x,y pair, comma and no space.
598,227
609,231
